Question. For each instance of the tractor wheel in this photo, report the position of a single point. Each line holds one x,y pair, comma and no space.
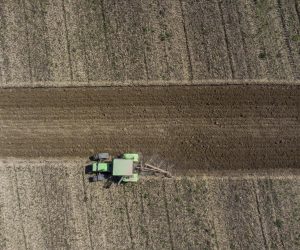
100,157
98,177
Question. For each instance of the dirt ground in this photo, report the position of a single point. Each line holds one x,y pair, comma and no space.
191,127
49,204
73,42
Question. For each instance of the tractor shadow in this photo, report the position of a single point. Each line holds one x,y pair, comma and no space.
88,169
106,178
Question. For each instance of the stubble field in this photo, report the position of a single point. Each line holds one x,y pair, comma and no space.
80,43
49,204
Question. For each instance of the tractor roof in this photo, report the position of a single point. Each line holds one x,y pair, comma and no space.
122,167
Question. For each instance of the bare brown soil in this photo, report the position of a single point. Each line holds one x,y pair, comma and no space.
202,128
49,204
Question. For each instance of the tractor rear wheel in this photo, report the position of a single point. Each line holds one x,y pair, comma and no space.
100,157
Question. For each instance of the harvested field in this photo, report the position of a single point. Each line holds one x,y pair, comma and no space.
76,42
198,127
49,204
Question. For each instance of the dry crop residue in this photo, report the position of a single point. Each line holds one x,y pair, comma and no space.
98,42
51,204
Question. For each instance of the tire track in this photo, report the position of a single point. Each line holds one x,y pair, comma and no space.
286,39
163,26
144,54
239,16
67,211
5,72
46,43
56,195
146,64
212,216
185,231
144,217
47,207
87,200
19,206
297,10
230,59
206,51
128,220
81,34
275,204
27,40
188,50
67,40
266,245
167,215
3,240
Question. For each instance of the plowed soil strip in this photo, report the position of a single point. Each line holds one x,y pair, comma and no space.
200,128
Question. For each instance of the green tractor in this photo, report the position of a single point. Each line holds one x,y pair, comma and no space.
125,168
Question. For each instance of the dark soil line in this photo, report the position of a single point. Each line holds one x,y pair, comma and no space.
67,39
104,26
145,55
146,64
48,212
19,205
87,71
143,38
128,219
286,39
226,41
52,194
188,50
266,245
275,203
215,234
168,215
144,218
188,186
27,41
162,26
46,41
2,44
88,216
297,9
3,239
243,38
213,221
260,40
207,61
67,209
185,230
